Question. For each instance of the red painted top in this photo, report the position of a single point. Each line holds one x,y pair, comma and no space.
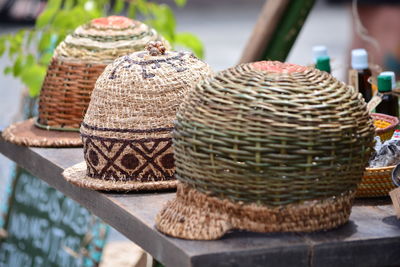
113,21
277,67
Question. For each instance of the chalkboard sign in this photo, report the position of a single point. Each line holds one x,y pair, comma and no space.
45,228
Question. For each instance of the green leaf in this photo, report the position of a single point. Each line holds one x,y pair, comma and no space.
33,78
70,20
46,17
119,6
132,10
45,59
7,70
192,42
180,3
45,42
15,42
31,35
68,4
142,6
164,20
17,67
54,4
29,61
2,46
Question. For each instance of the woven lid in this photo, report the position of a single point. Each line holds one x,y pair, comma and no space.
126,131
104,39
267,146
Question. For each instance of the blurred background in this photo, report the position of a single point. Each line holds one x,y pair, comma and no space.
224,27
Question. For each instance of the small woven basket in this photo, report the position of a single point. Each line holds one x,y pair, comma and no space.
376,182
385,125
77,63
267,147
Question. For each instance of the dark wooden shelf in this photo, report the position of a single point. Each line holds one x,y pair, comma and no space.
371,238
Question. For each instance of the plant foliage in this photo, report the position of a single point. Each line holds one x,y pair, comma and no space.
30,50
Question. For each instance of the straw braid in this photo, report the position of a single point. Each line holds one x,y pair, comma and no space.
195,215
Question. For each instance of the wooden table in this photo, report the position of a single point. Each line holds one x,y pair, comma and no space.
371,238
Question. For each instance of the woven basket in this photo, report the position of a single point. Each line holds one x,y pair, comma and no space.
376,182
126,131
77,63
267,147
385,125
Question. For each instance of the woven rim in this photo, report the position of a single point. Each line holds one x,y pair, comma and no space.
376,182
372,171
51,128
77,176
195,215
27,134
394,121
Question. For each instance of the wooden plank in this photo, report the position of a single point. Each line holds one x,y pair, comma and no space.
370,228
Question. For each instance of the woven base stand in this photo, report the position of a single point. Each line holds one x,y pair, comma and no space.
77,176
27,134
194,215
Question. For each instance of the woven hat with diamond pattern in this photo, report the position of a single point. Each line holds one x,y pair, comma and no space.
71,75
127,129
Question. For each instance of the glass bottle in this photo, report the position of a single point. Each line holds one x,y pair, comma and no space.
359,63
390,103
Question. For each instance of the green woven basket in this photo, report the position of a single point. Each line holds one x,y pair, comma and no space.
268,146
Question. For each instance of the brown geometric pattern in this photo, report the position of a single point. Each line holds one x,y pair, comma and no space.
141,160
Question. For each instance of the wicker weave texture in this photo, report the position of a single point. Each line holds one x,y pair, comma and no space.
376,182
66,92
77,63
272,134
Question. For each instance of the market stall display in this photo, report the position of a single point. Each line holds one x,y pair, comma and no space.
71,76
267,147
127,129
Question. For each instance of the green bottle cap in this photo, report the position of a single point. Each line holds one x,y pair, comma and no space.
323,63
384,83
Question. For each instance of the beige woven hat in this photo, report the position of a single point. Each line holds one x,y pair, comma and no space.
127,129
267,147
70,78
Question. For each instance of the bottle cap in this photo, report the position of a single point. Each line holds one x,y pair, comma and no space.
384,83
359,59
392,76
323,63
319,51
